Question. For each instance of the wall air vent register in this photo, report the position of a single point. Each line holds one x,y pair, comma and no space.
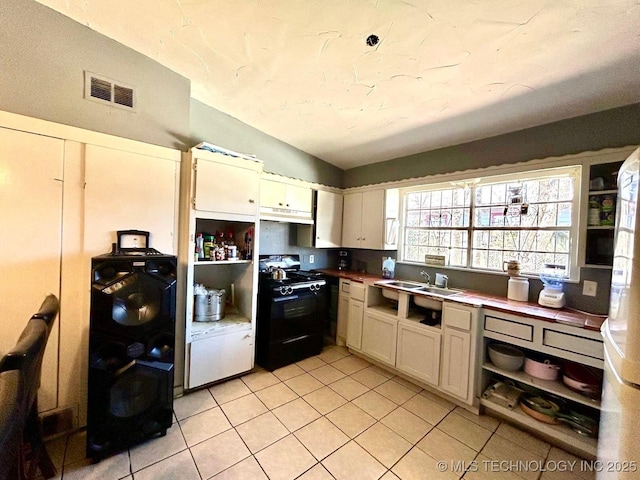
105,90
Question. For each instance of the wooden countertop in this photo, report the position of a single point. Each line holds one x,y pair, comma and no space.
564,315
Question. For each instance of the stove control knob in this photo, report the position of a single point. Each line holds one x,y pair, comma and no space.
283,290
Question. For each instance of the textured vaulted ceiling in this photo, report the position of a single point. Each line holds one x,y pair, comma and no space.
444,71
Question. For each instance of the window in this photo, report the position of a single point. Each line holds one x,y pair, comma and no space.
530,217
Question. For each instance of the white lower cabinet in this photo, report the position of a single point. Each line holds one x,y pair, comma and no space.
456,357
355,313
379,335
354,324
343,318
418,352
459,352
219,357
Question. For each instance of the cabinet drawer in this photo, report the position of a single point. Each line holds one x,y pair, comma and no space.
573,343
357,292
457,318
509,328
345,287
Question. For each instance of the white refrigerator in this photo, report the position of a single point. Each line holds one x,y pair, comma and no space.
619,439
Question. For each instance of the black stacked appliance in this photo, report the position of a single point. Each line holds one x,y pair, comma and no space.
131,348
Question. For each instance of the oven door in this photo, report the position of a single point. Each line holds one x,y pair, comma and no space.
290,328
295,316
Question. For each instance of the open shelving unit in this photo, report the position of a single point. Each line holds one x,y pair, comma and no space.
599,238
555,387
559,343
562,434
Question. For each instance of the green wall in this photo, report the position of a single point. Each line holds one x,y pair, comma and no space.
43,56
618,127
213,126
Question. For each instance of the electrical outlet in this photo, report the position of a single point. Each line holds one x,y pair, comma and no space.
311,258
589,288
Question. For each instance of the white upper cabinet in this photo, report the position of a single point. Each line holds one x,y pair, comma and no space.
149,205
280,200
225,184
369,221
328,219
327,230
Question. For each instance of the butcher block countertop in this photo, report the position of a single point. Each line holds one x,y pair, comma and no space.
566,316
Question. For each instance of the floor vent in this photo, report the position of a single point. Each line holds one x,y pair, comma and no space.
105,90
58,422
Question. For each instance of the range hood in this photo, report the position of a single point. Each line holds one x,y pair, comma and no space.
285,200
286,215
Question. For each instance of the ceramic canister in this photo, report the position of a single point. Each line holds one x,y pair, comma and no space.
518,289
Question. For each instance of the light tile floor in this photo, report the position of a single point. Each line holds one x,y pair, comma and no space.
332,416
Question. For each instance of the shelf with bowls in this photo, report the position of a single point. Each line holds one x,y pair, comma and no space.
554,387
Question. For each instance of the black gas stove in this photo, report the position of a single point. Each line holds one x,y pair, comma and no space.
291,311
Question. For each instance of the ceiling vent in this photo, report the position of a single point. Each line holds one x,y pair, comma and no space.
105,90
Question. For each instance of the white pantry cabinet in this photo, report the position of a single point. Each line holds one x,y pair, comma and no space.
76,188
418,351
31,179
219,349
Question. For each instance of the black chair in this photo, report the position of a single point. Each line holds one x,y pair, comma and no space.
26,358
11,423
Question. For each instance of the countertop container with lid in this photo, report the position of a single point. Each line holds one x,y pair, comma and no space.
518,289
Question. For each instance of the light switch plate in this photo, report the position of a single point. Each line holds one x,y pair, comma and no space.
589,288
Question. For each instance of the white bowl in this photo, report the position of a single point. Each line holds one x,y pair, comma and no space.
506,357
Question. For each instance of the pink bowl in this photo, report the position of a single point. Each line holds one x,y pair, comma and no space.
544,370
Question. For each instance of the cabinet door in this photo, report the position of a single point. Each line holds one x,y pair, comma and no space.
31,169
379,336
144,198
328,220
354,325
373,220
343,319
224,188
215,358
272,194
298,198
456,354
418,352
352,220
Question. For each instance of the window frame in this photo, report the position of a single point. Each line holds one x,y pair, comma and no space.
574,171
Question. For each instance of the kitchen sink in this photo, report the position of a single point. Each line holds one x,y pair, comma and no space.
402,284
445,292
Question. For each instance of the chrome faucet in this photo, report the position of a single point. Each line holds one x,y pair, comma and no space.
426,276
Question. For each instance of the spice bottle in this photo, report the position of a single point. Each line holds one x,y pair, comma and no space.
199,247
208,246
593,217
